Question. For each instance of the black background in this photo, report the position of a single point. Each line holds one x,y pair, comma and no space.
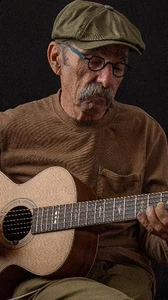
25,75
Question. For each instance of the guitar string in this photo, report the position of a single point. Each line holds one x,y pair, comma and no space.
25,295
22,211
142,197
153,196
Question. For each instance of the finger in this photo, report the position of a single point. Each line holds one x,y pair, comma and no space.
151,222
162,214
152,215
142,218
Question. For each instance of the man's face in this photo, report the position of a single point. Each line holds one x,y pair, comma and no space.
87,95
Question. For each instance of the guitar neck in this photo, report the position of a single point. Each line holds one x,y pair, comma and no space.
88,213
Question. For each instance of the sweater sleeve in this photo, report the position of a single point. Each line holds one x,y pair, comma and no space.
156,167
156,180
155,247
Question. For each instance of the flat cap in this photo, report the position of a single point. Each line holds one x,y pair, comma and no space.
91,25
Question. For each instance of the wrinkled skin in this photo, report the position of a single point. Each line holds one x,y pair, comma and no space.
76,77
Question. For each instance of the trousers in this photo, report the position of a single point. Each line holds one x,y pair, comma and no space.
115,282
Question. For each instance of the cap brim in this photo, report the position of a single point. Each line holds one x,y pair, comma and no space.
96,44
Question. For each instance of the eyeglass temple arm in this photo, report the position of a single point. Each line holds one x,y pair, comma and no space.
76,51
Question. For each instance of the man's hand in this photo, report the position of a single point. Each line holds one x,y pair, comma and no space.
155,220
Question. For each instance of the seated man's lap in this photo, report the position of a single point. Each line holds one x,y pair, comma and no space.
105,281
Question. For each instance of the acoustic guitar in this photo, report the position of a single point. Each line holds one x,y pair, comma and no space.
47,225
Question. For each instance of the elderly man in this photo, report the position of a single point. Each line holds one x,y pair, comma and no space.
116,149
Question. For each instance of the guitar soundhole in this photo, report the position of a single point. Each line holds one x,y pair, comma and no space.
17,224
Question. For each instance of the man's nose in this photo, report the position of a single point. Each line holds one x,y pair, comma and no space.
106,77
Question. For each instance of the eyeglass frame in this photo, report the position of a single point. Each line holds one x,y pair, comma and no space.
76,51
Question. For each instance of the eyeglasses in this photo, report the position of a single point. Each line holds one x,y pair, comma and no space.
97,63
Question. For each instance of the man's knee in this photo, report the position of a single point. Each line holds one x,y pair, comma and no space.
78,288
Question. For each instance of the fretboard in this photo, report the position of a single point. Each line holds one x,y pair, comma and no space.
88,213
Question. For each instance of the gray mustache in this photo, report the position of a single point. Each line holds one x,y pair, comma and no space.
94,90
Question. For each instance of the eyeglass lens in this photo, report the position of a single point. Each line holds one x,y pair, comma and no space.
97,63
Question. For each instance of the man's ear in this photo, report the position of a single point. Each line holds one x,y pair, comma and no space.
54,57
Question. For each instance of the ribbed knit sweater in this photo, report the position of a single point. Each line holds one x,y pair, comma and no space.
124,153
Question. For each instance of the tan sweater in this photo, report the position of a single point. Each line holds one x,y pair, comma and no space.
124,153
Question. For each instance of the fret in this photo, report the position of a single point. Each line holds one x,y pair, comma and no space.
52,217
113,210
148,200
49,219
91,213
79,212
86,213
155,199
99,210
39,219
109,209
165,198
74,215
61,220
68,216
71,214
141,203
161,197
118,210
55,217
104,210
130,205
135,211
34,221
58,216
44,219
124,209
64,221
94,212
82,221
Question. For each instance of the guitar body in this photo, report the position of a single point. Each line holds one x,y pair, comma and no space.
39,221
55,254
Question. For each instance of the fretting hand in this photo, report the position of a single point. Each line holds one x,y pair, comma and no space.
155,220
